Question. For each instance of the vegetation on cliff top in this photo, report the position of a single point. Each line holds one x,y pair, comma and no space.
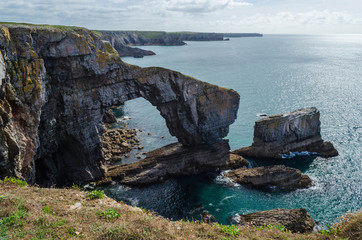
29,212
59,27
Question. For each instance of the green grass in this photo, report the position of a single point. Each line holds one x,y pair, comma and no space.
60,27
330,230
231,230
277,227
95,194
47,209
109,214
19,182
14,221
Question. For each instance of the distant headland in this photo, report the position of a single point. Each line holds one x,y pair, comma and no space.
123,40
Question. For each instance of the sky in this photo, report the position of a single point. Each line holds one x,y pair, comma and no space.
262,16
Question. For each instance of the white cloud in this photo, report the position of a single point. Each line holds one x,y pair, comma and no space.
196,6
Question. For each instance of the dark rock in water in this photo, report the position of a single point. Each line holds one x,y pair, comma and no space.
207,217
171,160
296,131
55,85
235,161
109,117
278,176
295,220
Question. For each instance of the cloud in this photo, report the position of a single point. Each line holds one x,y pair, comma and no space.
202,6
196,6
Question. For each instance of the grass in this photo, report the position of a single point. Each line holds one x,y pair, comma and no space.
277,227
19,182
109,214
60,27
231,230
46,213
95,194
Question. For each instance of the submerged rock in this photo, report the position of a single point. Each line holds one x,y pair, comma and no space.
55,85
296,131
278,176
295,220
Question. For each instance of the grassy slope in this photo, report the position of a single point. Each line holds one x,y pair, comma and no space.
48,213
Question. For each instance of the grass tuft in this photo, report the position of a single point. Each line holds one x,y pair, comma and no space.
95,194
109,214
19,182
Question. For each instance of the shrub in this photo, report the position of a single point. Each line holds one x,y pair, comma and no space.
95,194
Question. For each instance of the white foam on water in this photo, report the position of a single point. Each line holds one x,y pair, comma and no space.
293,154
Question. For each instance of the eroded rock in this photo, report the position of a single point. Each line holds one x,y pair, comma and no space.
169,161
296,131
295,220
57,85
278,176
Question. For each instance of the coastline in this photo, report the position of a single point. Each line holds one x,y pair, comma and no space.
151,71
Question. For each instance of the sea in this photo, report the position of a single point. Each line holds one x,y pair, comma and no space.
273,74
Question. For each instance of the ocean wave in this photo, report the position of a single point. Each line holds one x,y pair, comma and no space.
222,179
293,154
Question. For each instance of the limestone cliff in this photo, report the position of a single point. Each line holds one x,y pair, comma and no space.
295,131
57,82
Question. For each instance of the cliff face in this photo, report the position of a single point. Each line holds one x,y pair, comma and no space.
123,40
295,131
56,85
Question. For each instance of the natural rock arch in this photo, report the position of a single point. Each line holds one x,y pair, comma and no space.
77,77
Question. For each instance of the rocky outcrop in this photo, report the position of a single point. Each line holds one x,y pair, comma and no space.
109,117
169,161
295,220
123,40
280,134
278,176
235,161
56,85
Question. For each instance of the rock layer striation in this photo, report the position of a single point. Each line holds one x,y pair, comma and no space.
56,85
295,220
169,161
280,134
278,176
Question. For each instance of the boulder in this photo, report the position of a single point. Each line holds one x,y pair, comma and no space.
280,134
109,117
235,161
295,220
278,176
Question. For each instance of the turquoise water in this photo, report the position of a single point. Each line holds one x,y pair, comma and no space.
273,74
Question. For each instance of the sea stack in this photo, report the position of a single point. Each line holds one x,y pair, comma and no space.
295,131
